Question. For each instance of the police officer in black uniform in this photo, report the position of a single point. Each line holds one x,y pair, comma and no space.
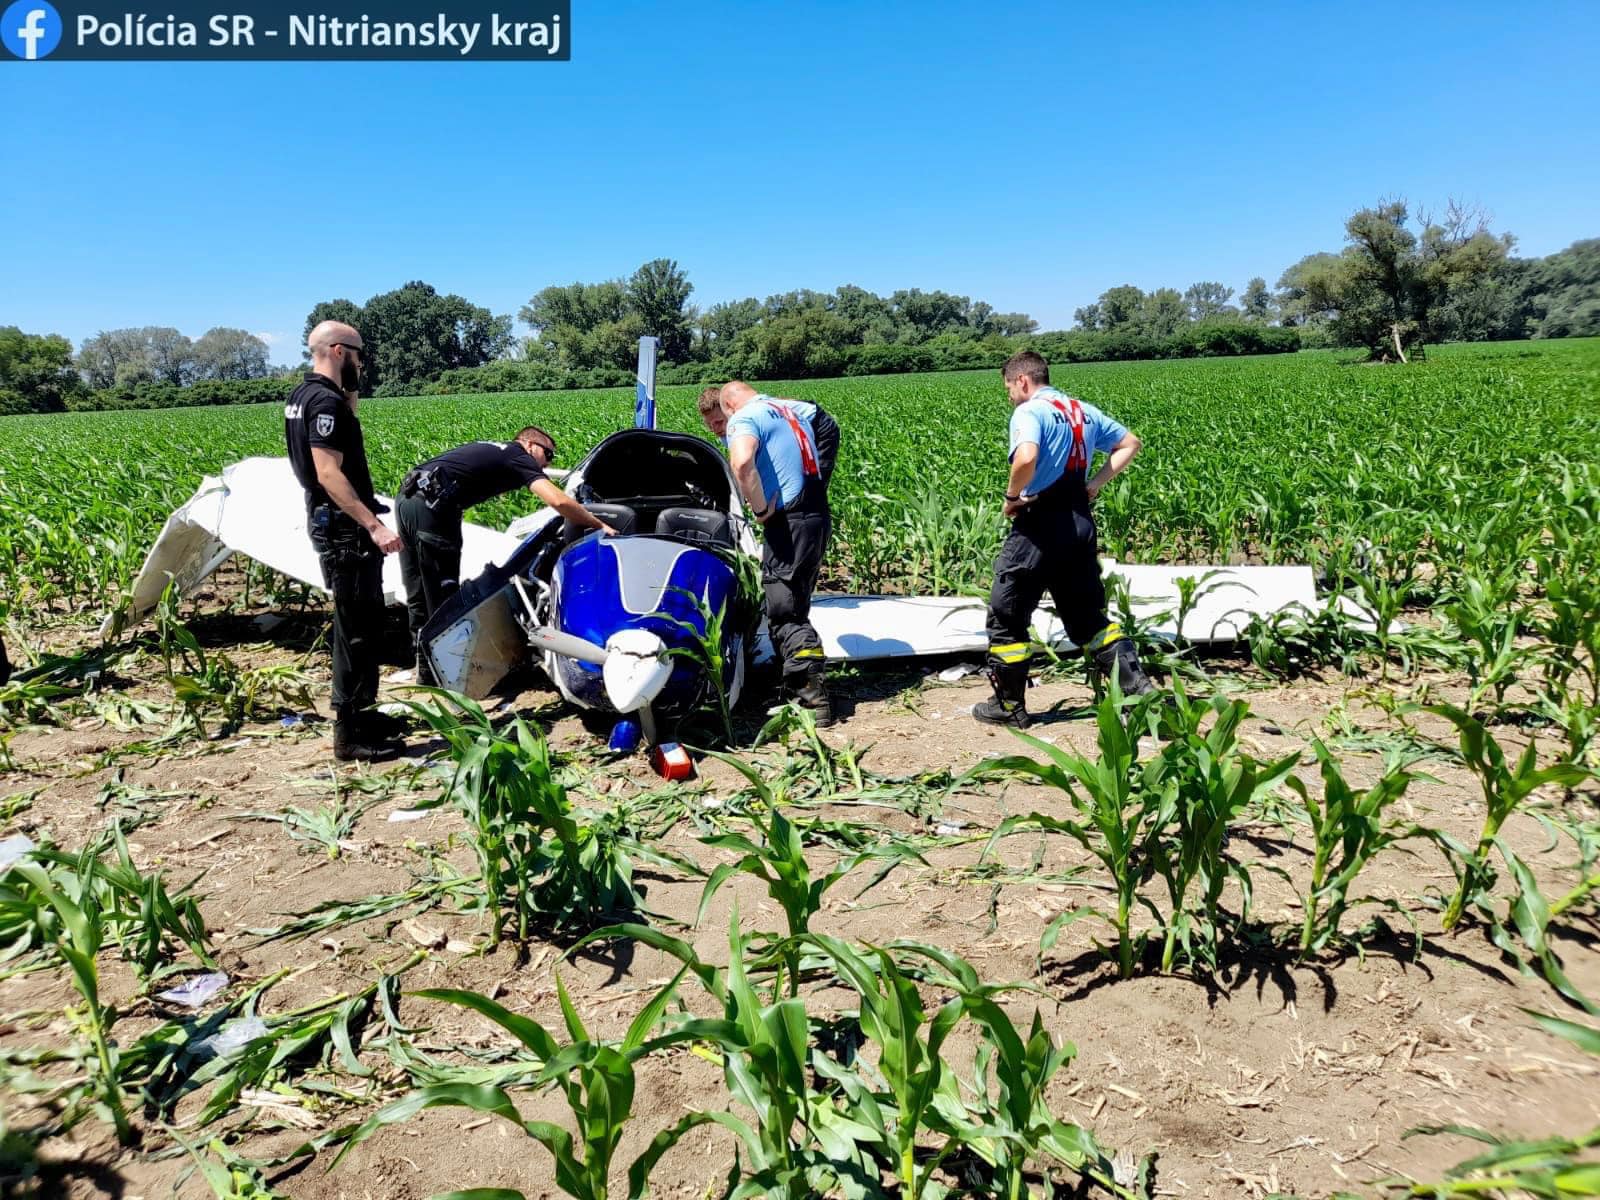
435,494
1053,544
330,460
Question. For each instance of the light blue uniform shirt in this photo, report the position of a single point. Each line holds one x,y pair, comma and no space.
778,461
1038,421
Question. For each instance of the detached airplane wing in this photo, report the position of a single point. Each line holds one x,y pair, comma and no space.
868,627
257,508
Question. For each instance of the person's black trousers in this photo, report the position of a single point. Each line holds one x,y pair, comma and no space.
430,560
5,664
791,560
1052,549
352,569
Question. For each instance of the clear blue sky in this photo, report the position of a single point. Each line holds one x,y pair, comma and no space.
1028,154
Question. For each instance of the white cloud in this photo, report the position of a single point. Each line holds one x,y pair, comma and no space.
272,339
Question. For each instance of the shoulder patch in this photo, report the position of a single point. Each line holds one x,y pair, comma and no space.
324,424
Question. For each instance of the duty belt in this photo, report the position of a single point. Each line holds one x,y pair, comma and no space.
433,485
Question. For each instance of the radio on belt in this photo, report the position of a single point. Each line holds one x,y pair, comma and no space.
672,761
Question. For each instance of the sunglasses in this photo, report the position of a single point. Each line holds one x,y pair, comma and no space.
549,452
358,349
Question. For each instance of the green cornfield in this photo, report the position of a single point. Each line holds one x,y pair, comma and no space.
1411,474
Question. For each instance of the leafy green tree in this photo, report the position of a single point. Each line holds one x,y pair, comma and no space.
1208,299
170,355
1560,293
925,314
36,372
1390,290
1121,308
722,323
103,355
224,353
131,356
1162,313
1256,303
416,333
1013,324
413,333
658,294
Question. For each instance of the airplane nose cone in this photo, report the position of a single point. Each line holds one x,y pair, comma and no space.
635,670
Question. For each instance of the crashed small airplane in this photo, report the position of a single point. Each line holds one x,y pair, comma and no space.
618,623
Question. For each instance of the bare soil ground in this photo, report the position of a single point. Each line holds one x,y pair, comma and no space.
1279,1076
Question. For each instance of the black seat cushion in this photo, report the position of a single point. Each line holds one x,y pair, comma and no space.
703,525
619,516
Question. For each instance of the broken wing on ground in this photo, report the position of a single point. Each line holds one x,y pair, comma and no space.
257,508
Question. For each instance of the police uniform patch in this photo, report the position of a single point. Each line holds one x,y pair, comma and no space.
324,424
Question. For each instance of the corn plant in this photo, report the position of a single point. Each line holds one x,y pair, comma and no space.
78,935
1505,788
1553,1167
179,1059
134,912
797,1142
1001,1114
909,1042
779,861
540,860
705,652
329,826
596,1080
1204,784
1348,830
1117,823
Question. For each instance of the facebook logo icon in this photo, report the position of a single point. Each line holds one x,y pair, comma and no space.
31,29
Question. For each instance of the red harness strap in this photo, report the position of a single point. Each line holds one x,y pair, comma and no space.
1078,459
808,458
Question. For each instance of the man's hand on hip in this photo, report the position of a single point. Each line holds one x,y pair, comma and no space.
1013,507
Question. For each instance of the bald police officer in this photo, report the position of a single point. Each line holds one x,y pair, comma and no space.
1053,543
329,457
783,453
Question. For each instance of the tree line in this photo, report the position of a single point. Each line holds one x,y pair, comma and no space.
1401,281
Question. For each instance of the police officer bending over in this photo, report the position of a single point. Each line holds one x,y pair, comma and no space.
330,460
783,453
1053,543
434,496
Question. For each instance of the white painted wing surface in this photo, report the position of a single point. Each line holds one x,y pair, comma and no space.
257,508
868,627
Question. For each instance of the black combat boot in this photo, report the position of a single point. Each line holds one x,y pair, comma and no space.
1121,657
425,675
811,694
354,742
382,727
1010,703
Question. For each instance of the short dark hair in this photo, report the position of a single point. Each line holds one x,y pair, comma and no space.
709,399
528,432
1027,362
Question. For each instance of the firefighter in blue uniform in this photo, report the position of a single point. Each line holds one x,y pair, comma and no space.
783,453
1053,544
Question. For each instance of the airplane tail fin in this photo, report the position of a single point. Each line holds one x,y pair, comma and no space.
644,404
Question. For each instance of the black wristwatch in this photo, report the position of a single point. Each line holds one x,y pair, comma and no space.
1013,499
